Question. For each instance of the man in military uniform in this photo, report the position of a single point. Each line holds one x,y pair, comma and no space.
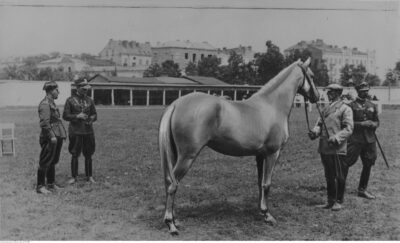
51,139
362,143
338,119
80,111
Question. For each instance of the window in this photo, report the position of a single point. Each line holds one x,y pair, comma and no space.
134,58
202,56
133,64
194,57
186,56
140,61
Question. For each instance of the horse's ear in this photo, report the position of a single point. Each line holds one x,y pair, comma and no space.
307,63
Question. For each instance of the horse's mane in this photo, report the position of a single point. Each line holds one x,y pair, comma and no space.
277,80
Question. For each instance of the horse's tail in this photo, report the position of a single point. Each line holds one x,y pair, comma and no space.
166,144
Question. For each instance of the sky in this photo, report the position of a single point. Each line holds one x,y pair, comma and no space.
73,27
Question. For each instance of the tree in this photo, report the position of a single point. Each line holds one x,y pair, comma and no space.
13,72
296,55
373,80
269,63
170,68
351,75
191,69
321,77
154,70
392,76
209,67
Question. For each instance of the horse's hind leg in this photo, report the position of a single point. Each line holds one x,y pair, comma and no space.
180,169
268,168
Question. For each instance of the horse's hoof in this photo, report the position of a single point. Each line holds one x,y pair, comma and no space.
269,219
172,228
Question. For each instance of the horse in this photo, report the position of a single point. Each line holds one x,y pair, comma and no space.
257,126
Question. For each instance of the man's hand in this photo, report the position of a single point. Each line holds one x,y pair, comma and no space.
332,141
82,116
312,135
368,123
53,140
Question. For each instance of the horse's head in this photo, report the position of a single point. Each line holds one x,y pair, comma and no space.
307,87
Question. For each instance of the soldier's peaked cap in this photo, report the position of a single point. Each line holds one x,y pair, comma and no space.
50,85
334,87
362,86
82,83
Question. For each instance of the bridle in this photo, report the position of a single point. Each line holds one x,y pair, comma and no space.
305,77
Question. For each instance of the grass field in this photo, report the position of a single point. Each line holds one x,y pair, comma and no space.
217,200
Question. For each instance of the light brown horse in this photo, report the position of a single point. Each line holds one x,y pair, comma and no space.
257,126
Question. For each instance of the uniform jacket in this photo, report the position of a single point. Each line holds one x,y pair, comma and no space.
50,121
339,122
364,110
75,105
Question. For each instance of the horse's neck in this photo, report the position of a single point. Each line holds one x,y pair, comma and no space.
281,92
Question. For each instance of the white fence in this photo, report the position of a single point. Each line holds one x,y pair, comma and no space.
30,93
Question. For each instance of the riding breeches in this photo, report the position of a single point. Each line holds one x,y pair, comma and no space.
84,144
49,157
366,151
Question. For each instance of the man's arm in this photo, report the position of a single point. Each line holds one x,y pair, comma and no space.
347,125
67,114
44,116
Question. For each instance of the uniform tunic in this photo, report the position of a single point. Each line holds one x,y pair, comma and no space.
51,127
363,141
81,134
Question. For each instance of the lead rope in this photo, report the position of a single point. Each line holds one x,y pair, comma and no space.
305,109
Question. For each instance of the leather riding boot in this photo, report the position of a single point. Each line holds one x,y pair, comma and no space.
41,178
88,167
362,187
50,174
364,178
74,167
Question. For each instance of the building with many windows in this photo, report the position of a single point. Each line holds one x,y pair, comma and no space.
182,52
334,57
128,53
245,51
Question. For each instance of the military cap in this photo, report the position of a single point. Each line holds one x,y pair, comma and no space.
334,87
82,83
364,86
50,85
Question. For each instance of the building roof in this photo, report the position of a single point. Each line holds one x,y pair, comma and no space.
60,60
129,47
186,45
321,45
187,80
171,80
206,80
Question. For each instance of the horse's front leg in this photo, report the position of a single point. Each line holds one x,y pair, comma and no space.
268,168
